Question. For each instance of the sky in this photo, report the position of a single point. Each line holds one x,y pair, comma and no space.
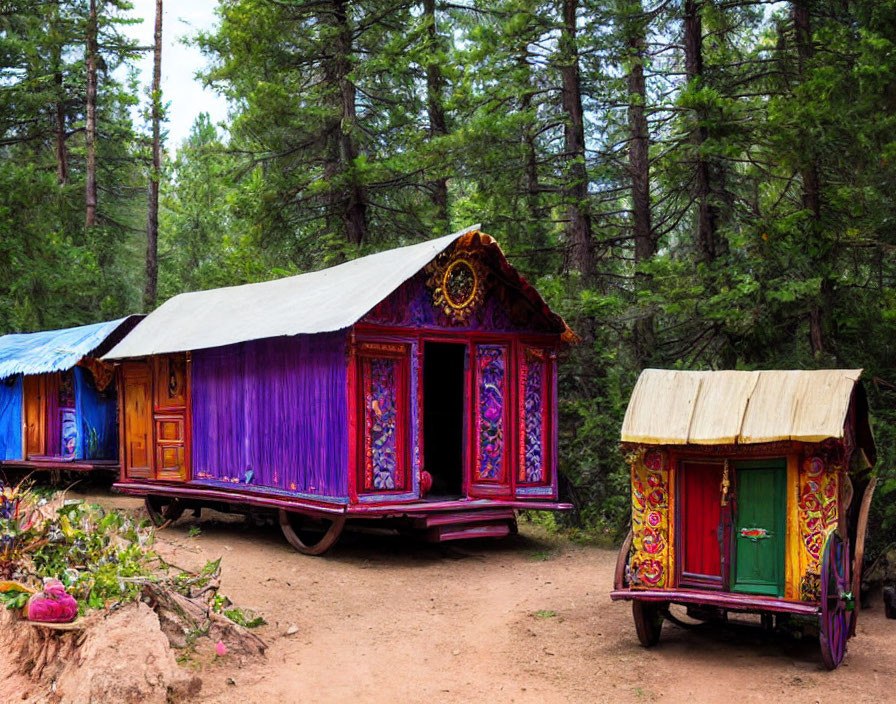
180,88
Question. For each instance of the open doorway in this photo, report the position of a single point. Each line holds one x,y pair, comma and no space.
443,417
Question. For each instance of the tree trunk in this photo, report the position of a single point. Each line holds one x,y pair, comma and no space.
811,196
59,121
639,173
707,210
803,32
578,226
152,217
438,126
61,149
90,127
351,202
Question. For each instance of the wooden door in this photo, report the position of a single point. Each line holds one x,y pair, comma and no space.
701,524
172,384
492,444
34,391
759,528
136,421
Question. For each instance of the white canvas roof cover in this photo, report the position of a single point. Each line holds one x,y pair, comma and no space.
321,301
670,407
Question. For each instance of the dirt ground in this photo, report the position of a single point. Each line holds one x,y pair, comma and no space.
527,620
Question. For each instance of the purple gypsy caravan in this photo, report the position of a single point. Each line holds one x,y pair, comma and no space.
417,386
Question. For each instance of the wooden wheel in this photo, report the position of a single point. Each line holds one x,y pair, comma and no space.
648,617
163,509
859,557
622,561
834,622
310,536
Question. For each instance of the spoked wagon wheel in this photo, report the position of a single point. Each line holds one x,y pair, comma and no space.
834,625
310,536
163,509
648,617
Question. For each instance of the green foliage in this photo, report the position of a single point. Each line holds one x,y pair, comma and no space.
242,618
96,554
56,272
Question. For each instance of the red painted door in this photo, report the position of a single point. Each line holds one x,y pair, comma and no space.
701,524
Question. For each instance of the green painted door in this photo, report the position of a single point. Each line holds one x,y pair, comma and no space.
758,566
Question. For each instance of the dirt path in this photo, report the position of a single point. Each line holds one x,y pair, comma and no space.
528,620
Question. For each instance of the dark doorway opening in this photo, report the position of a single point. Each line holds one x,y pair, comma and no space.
443,417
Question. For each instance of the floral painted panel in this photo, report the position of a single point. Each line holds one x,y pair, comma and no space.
533,405
382,470
818,518
651,559
491,364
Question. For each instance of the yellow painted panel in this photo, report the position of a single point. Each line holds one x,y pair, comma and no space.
651,563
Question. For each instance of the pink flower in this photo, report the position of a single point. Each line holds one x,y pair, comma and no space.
220,648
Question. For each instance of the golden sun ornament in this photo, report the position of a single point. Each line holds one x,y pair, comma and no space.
458,285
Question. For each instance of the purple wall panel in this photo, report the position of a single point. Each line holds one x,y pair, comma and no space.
276,408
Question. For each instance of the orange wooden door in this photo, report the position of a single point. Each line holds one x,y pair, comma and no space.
137,420
172,389
34,391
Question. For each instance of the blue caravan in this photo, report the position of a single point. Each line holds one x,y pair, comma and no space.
58,401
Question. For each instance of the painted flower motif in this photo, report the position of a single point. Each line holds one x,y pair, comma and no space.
654,461
650,572
809,501
382,419
490,361
653,542
654,518
814,467
532,423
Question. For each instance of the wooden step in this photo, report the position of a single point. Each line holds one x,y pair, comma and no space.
456,517
494,523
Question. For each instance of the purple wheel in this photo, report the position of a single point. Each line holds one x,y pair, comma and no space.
648,617
834,622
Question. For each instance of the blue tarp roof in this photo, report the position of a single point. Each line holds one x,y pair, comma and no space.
52,350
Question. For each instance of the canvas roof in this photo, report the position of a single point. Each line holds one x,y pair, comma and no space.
57,350
321,301
671,407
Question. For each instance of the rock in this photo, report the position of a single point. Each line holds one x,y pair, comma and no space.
292,630
125,658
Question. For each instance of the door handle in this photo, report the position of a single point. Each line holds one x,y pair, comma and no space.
756,534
